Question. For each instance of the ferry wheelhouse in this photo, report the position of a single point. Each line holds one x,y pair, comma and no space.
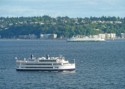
45,64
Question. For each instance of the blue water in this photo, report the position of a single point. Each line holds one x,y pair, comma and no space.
99,65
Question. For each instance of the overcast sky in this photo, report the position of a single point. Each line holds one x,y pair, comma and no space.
54,8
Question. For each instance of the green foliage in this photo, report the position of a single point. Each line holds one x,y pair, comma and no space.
62,26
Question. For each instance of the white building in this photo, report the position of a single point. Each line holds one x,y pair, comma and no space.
30,36
103,36
112,35
48,36
108,35
122,35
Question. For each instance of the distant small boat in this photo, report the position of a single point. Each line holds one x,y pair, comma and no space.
90,39
45,64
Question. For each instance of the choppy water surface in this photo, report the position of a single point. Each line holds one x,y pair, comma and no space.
99,65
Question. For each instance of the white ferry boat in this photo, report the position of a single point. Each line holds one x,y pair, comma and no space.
90,39
45,64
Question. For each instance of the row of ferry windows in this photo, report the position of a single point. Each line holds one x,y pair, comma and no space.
45,64
47,60
39,67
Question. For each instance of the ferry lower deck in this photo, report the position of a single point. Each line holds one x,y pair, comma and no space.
39,69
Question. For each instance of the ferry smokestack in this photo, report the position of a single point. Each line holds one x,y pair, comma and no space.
47,56
31,56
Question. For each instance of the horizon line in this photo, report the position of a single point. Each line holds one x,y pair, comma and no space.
60,16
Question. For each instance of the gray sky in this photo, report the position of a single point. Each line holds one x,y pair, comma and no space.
54,8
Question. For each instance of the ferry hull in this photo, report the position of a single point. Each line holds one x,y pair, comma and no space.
83,40
25,69
50,68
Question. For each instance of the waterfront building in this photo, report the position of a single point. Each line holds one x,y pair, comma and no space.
48,36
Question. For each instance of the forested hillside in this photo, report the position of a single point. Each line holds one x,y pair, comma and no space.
12,27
